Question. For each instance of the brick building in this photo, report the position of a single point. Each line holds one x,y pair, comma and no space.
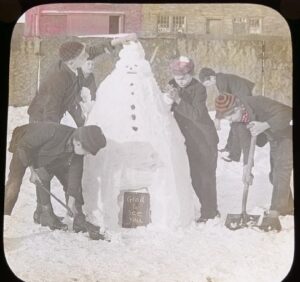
63,20
213,20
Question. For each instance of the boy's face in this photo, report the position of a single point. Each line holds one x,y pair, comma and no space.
183,80
209,82
80,59
78,149
88,66
235,116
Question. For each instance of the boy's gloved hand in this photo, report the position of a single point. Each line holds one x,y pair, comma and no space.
38,175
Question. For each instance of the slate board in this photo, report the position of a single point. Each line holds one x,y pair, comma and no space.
136,209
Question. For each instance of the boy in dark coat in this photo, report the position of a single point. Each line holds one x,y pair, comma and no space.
52,149
61,88
235,85
188,99
262,115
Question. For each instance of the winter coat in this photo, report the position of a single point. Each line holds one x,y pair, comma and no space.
193,118
233,84
276,114
49,145
56,94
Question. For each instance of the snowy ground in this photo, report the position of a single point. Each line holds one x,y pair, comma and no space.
202,253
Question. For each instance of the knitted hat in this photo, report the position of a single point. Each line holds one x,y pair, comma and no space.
205,73
224,104
70,50
182,65
91,138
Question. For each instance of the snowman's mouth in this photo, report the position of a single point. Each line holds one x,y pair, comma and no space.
131,72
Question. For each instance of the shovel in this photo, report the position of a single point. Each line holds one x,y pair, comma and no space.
237,221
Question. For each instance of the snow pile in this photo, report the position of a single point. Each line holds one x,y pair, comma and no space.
145,148
206,253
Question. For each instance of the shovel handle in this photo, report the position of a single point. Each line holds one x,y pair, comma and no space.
249,168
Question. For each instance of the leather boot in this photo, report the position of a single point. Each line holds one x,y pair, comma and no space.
37,214
48,218
81,225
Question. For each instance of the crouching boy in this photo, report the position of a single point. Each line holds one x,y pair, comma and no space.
266,116
52,149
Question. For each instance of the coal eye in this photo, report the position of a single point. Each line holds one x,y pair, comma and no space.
135,65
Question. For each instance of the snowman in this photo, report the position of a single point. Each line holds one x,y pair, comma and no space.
145,149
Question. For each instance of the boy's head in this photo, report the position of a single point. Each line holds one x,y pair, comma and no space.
88,140
228,107
73,52
88,66
207,77
182,70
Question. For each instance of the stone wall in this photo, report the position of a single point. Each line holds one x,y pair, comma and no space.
271,70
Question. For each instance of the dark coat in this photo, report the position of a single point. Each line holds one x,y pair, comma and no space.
233,84
49,145
276,114
56,94
193,118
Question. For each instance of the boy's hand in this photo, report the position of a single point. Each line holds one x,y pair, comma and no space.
247,177
85,94
257,127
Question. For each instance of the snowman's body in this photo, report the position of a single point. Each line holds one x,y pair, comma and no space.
145,148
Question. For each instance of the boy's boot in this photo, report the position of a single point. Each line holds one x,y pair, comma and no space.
48,218
37,214
81,225
270,222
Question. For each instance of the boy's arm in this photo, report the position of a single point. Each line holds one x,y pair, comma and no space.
74,188
192,111
280,114
56,90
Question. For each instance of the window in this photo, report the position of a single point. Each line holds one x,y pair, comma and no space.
255,25
171,24
240,25
214,26
179,23
113,24
163,24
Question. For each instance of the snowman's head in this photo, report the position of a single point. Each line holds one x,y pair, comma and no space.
132,60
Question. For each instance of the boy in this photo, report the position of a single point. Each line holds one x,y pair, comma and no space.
188,99
61,88
52,149
265,116
235,85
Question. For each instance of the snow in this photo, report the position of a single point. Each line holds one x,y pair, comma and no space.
200,252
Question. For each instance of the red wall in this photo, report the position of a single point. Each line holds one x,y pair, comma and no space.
39,23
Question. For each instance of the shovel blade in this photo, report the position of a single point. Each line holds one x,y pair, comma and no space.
238,221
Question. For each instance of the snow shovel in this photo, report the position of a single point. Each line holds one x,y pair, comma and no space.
237,221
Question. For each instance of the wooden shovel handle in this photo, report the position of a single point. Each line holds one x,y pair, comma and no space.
249,168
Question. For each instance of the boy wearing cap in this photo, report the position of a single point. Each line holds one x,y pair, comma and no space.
188,99
265,116
52,149
60,89
235,85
